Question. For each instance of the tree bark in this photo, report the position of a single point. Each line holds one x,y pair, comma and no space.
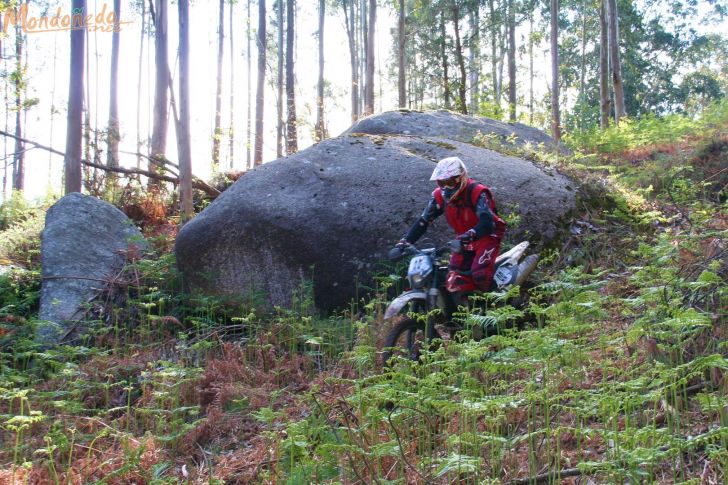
260,91
619,107
443,56
401,81
604,107
494,31
371,35
139,84
217,133
350,22
475,65
72,158
19,155
249,117
291,133
512,61
183,135
279,83
231,129
555,111
113,135
161,85
530,61
320,124
462,103
582,70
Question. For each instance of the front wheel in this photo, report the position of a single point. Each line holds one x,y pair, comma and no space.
407,338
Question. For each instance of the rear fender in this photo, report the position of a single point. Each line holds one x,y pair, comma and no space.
401,301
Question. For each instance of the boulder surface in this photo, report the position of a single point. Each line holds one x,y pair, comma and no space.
447,124
84,243
333,211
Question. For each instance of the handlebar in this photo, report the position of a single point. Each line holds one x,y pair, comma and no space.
399,252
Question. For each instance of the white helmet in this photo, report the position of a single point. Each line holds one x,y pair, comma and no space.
451,176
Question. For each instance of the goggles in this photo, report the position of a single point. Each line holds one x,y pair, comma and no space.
449,183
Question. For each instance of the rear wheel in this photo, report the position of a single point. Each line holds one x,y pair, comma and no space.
407,339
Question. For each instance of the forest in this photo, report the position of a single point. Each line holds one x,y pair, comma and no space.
198,199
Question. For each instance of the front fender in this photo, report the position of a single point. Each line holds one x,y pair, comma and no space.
401,301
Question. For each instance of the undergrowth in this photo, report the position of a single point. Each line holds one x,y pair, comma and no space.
615,370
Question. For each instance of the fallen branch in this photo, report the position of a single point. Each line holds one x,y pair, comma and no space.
197,183
547,477
35,144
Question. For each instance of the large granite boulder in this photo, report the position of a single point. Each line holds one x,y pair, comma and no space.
84,244
333,210
453,126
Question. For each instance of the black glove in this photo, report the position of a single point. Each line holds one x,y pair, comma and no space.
467,237
402,244
398,251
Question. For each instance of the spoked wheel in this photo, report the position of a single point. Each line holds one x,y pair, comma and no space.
407,338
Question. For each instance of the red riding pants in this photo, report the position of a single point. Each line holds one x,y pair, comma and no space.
476,263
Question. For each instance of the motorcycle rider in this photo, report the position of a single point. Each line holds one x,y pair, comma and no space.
470,210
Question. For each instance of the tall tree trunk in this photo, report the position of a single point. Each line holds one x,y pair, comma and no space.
351,32
52,114
443,56
512,61
72,158
260,91
113,135
582,72
362,55
249,131
371,36
231,129
279,82
530,62
604,107
183,126
217,134
19,156
494,32
401,81
320,124
462,103
139,86
291,132
161,86
619,107
474,58
555,112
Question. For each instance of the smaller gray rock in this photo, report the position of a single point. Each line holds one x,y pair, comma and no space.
84,243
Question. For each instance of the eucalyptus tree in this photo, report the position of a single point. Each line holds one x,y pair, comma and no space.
249,107
217,130
280,126
320,123
161,86
19,84
555,108
113,134
291,132
231,128
183,127
260,89
72,158
370,45
351,23
401,77
615,61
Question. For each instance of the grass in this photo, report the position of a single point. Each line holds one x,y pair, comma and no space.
618,374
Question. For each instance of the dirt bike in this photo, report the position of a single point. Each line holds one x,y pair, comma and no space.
434,286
